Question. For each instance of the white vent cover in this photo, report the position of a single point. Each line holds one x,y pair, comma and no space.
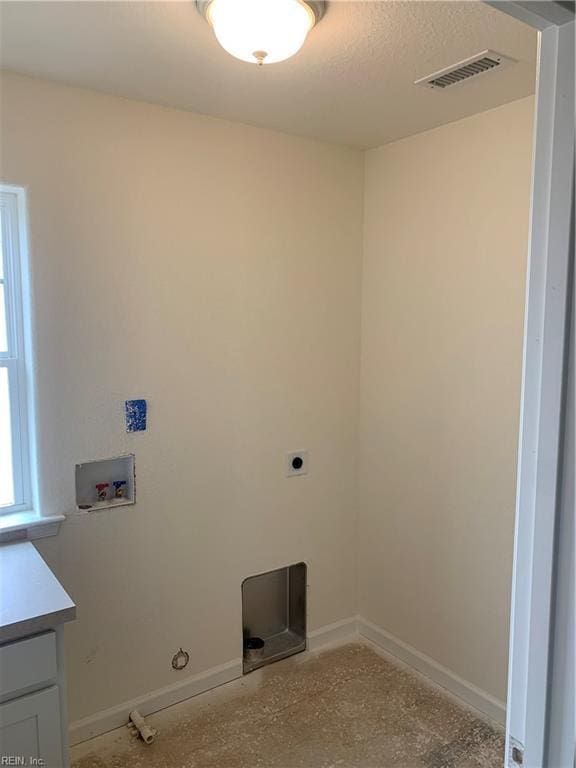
486,61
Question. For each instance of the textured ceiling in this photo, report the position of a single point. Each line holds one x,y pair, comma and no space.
351,83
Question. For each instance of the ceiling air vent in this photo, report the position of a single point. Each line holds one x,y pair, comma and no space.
486,61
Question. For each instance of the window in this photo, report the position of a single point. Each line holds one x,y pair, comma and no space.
15,479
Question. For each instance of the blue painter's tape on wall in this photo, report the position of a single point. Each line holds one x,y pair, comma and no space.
135,415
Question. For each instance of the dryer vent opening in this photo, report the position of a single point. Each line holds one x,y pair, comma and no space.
273,616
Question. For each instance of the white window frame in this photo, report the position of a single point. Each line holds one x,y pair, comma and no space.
15,360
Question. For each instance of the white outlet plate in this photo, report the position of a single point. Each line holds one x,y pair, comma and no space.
291,470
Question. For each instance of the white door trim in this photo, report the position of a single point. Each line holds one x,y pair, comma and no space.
562,712
545,371
539,14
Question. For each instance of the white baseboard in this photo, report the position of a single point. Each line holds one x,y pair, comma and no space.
332,633
116,717
346,629
471,694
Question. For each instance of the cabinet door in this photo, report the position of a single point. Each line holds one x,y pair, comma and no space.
30,729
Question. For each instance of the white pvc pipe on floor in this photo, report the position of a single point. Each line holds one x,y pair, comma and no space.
147,734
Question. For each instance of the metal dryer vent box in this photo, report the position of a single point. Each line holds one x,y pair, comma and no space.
274,609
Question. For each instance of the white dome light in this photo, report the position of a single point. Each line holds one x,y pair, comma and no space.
261,31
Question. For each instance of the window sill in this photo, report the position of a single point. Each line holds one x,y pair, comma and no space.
28,525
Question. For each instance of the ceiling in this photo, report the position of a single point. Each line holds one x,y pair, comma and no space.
351,83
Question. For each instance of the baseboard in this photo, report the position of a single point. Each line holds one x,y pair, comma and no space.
471,694
332,633
116,717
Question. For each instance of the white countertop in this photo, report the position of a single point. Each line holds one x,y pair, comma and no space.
31,597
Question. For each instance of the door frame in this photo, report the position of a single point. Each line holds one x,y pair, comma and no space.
538,662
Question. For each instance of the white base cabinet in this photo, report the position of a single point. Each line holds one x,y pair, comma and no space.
34,607
30,729
33,702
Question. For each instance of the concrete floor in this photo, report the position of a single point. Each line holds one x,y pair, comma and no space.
346,707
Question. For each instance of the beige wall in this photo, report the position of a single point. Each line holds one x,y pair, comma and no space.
213,269
446,221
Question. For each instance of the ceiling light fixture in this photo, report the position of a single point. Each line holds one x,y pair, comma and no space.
261,31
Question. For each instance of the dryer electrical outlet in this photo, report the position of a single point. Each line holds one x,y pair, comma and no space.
296,463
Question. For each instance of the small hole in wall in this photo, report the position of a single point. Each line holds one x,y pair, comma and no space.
180,659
